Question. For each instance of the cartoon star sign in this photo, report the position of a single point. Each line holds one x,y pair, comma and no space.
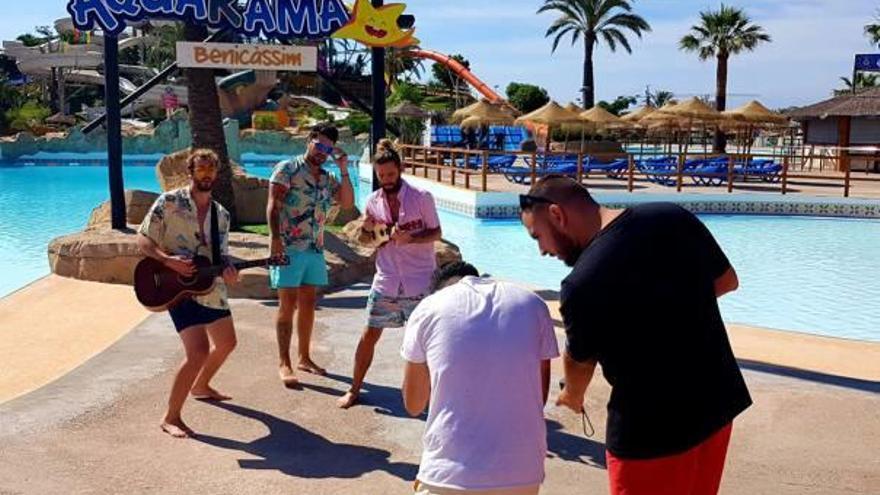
377,27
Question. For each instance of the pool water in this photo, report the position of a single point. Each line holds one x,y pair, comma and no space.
813,275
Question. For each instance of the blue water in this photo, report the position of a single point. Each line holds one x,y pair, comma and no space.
806,274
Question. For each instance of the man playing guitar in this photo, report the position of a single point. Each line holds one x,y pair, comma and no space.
180,225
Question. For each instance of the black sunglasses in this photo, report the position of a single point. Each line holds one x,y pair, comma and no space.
526,201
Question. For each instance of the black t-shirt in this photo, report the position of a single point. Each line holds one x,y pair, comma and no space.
641,301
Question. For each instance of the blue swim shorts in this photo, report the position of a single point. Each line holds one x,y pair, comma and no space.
306,268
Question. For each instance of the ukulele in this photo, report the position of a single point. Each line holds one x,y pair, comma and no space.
158,287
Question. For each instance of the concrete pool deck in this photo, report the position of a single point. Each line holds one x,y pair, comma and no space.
94,430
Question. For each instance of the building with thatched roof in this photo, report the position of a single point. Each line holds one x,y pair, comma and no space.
846,120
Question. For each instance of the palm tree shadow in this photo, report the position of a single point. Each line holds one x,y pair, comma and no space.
573,448
295,451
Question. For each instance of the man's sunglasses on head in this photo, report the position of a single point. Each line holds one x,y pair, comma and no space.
527,202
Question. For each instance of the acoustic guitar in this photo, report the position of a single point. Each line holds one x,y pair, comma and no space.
158,287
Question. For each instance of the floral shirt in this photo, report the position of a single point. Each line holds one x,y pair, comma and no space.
172,223
301,221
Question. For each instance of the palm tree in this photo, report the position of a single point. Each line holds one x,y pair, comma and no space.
872,31
206,120
594,21
862,81
720,34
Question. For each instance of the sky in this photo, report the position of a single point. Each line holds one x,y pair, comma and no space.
813,46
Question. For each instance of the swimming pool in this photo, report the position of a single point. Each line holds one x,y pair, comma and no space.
806,274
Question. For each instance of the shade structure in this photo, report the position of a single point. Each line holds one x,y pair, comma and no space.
485,112
572,107
551,114
602,119
479,121
661,115
637,114
754,112
693,109
408,110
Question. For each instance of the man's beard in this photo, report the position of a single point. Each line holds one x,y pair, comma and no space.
568,250
204,185
393,188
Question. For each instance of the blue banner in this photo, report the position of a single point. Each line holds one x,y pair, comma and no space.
279,19
868,62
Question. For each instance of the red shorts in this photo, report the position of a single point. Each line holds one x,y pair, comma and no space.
696,471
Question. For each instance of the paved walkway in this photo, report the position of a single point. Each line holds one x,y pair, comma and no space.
96,429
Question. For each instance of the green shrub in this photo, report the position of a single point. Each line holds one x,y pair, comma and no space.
358,122
27,116
265,122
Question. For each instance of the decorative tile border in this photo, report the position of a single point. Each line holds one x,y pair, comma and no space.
502,206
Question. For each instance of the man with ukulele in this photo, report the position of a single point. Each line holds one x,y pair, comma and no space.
181,224
405,264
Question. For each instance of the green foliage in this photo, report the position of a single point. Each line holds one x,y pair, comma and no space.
406,92
265,122
29,40
724,32
30,114
594,21
358,122
526,97
445,78
619,105
319,113
872,30
163,53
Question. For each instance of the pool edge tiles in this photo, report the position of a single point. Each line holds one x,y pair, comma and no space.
505,205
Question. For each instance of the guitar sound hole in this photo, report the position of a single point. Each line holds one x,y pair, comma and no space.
157,280
187,281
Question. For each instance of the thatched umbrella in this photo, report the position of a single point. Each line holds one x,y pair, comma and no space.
408,110
638,114
484,110
661,120
572,107
550,115
753,114
693,110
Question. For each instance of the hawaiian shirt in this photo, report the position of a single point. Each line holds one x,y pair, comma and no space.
172,223
306,205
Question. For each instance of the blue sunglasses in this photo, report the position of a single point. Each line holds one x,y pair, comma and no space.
323,148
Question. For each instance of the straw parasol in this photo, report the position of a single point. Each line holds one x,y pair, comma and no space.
638,114
752,114
551,115
602,118
693,110
408,110
485,111
572,107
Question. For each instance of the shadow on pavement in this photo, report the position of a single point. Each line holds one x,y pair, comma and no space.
384,400
812,376
572,447
295,451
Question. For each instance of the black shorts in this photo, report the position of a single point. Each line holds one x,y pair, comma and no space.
189,313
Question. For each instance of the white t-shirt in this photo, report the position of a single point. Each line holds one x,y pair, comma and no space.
483,342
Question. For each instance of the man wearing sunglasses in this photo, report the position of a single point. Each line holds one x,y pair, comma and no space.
300,198
641,300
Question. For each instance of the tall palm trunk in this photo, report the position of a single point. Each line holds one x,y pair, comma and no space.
720,143
589,91
207,122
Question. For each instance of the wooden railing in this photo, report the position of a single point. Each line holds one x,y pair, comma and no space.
460,167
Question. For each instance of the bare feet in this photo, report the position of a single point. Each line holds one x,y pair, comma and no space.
285,372
209,393
309,366
176,428
349,399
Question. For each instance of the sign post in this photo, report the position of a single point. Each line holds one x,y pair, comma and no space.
865,62
377,127
114,131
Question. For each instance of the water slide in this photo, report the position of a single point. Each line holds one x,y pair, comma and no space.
461,71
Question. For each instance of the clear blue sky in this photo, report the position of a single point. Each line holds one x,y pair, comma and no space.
813,45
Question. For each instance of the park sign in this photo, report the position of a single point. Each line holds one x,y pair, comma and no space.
234,56
867,62
276,19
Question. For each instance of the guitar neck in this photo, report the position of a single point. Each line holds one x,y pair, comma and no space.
244,265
